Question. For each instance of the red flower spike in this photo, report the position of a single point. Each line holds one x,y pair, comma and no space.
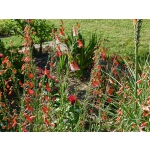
80,44
72,99
148,83
30,92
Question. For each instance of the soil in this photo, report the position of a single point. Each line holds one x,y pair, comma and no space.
75,85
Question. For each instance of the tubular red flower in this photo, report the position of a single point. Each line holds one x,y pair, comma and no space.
30,92
80,44
74,66
74,31
62,32
58,53
48,87
72,99
30,75
1,55
30,118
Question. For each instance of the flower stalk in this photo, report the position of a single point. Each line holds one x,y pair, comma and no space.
137,26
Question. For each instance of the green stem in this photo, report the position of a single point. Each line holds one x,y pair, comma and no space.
137,28
136,67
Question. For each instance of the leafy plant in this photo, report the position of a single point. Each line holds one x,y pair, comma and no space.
82,52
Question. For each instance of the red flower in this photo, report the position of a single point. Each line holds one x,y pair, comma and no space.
1,55
30,118
58,53
46,121
53,98
74,66
30,92
58,38
72,99
139,81
95,83
110,91
27,59
24,129
109,100
48,87
45,109
80,44
30,75
14,122
62,32
74,31
29,107
20,83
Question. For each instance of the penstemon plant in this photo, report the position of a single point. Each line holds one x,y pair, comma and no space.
81,52
137,26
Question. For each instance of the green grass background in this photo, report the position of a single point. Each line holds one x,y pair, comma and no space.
116,35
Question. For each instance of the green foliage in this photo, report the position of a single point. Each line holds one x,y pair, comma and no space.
82,54
6,27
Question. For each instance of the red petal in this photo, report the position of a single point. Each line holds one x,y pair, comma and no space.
30,92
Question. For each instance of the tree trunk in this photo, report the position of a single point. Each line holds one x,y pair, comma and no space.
40,51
